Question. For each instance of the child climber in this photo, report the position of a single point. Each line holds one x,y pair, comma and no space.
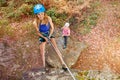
65,33
45,28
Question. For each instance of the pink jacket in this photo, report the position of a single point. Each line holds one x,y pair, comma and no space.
66,31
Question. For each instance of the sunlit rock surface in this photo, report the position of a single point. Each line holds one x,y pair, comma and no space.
58,74
53,74
70,54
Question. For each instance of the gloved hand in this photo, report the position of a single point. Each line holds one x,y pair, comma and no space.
46,39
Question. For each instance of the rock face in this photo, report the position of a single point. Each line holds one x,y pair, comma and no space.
54,74
58,74
15,58
70,54
21,55
6,59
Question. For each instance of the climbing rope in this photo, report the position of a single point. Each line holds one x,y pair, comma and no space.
63,61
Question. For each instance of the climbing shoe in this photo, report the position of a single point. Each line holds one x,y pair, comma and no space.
64,68
64,47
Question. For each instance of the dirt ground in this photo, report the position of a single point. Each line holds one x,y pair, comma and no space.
103,41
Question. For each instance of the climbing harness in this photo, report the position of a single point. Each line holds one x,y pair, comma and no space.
63,60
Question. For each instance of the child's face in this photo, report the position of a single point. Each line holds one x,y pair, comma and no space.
66,26
41,16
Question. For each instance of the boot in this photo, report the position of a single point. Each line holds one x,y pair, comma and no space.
64,68
64,47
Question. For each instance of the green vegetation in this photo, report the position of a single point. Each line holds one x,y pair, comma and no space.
28,30
58,18
80,1
16,11
115,3
31,1
3,3
23,10
96,4
118,39
6,30
83,76
89,21
4,22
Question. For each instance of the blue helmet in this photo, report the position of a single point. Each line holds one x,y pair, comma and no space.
38,8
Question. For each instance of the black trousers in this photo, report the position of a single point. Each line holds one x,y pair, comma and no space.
65,40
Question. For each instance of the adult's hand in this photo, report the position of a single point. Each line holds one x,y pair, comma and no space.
46,39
